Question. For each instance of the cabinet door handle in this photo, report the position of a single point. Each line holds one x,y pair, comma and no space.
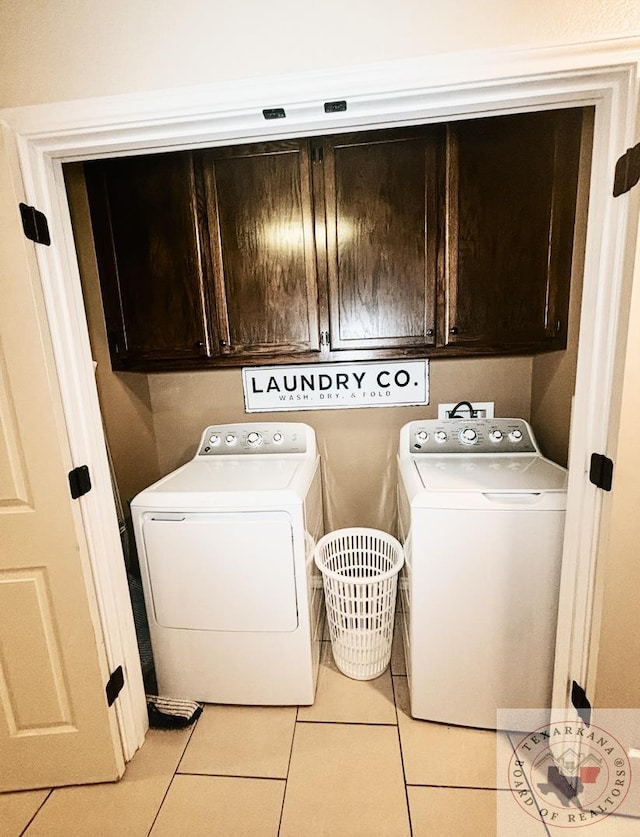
223,343
430,332
453,330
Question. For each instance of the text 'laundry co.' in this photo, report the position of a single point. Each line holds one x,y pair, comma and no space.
336,385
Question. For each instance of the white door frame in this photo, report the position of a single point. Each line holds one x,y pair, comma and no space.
396,93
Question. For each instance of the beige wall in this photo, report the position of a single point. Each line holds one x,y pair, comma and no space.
358,447
69,49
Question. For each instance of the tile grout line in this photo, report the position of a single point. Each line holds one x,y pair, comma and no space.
345,724
286,780
404,775
348,723
173,776
36,812
458,787
235,776
188,741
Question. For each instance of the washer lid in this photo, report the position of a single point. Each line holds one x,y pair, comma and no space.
490,474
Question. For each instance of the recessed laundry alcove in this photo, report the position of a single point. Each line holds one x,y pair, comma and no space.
159,416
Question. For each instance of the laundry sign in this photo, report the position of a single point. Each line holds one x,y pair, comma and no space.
327,386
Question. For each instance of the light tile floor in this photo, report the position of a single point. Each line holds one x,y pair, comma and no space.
354,764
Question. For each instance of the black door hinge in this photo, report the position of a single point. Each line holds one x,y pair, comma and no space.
335,107
581,703
274,113
35,224
627,172
601,471
324,338
79,481
114,686
317,154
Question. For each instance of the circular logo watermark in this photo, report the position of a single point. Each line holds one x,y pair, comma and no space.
569,775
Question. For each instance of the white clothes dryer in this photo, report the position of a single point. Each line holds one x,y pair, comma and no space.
225,544
481,515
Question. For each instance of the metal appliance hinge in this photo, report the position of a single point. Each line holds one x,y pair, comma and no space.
580,702
114,686
35,224
79,481
601,471
627,171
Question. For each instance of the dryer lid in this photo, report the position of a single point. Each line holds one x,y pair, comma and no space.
228,482
212,475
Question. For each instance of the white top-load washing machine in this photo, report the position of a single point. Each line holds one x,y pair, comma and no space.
225,544
481,515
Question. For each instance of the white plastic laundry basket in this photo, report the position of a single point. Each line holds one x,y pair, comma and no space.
360,577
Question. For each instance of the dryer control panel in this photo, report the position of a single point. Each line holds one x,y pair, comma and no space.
482,435
257,438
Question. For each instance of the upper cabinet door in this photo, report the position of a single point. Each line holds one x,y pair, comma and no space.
261,247
511,196
381,196
145,226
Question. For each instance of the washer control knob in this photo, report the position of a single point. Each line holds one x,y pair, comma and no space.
515,435
231,439
254,439
440,436
422,435
468,436
214,439
278,438
495,436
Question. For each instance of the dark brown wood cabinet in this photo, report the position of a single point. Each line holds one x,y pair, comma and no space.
146,233
381,199
510,214
440,240
260,249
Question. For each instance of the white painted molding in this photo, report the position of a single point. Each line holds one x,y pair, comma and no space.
238,103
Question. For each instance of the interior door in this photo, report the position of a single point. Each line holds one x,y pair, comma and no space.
55,725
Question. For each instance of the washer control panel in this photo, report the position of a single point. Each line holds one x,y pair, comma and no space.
237,439
484,435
